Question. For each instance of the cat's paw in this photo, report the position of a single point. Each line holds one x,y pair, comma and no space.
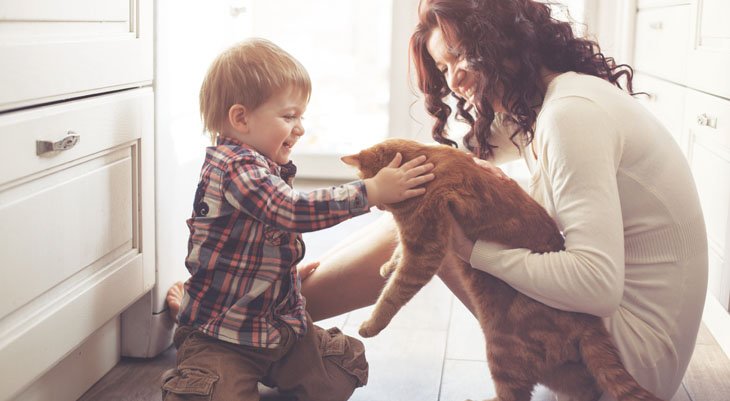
387,269
369,329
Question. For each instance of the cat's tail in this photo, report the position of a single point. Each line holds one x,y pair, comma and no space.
603,361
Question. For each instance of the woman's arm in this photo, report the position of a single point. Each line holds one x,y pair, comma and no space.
578,154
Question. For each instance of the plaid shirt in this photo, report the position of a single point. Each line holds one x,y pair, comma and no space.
245,243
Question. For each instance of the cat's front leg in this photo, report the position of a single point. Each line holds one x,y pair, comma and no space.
379,319
389,267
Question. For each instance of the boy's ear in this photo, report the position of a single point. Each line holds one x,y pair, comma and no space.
237,118
351,160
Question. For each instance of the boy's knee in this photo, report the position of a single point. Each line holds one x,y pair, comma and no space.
343,367
188,385
345,362
340,351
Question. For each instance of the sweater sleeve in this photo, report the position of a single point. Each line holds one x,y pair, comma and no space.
579,149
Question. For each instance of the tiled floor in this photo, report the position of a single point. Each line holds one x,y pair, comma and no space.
432,351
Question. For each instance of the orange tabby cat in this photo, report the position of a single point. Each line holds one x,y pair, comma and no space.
527,342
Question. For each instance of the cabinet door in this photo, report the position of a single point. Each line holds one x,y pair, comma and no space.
709,54
53,50
661,41
708,132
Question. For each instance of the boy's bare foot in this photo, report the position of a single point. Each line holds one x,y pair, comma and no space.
174,299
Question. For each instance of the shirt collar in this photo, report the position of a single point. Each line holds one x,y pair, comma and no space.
286,171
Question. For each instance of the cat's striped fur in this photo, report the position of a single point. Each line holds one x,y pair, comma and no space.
527,341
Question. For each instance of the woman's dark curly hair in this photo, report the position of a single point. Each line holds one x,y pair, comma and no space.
508,44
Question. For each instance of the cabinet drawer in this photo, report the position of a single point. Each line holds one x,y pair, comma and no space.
54,50
665,100
661,42
101,122
641,4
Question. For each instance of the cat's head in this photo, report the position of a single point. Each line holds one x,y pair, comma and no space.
370,160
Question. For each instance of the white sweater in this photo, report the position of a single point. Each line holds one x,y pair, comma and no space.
622,193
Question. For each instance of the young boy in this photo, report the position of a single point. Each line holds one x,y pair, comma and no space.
242,318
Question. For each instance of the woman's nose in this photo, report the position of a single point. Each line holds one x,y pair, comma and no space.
455,80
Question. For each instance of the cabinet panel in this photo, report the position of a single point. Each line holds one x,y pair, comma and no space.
665,100
661,42
59,50
76,217
708,131
709,54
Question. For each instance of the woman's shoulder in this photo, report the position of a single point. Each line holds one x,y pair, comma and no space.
573,84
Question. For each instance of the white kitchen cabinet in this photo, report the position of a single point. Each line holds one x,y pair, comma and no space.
682,55
76,188
707,119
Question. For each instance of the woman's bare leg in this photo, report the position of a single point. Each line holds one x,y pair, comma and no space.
348,277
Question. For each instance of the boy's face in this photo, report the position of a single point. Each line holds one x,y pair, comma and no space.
276,125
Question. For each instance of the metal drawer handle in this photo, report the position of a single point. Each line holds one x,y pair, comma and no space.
707,121
656,25
43,147
237,10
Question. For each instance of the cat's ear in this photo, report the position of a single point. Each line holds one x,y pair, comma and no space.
351,160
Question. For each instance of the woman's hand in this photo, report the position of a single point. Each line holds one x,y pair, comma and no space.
304,271
395,183
490,167
460,244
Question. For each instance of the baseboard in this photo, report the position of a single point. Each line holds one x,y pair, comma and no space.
145,334
717,321
77,372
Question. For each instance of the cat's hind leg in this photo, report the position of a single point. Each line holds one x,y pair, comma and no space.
389,267
574,381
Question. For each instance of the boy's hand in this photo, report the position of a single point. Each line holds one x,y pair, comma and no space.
304,271
395,183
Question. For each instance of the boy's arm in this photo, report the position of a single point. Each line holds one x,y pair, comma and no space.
251,188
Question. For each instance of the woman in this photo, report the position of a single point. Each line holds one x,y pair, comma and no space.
610,174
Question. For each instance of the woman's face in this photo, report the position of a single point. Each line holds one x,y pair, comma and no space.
461,80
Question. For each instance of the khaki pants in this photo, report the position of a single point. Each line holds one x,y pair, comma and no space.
325,365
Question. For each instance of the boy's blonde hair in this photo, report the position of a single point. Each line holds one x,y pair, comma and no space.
248,73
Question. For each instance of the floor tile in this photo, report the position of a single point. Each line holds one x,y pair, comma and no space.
466,340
